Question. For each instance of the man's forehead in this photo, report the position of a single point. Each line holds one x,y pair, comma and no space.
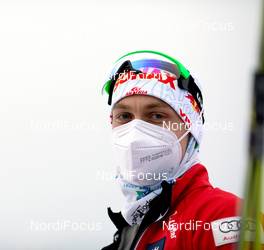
147,102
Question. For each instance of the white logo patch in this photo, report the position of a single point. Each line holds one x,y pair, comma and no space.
226,230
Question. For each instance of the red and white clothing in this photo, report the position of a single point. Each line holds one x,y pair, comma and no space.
190,214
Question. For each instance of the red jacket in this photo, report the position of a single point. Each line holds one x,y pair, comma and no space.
190,215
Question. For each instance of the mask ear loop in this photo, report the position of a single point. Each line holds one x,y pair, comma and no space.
183,136
189,128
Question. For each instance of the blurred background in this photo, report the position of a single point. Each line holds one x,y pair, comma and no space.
56,172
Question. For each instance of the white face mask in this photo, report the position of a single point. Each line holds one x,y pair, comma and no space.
146,154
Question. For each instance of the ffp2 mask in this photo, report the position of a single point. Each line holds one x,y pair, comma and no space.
146,154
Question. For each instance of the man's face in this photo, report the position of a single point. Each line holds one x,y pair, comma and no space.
149,109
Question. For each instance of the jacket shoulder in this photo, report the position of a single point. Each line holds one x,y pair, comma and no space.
216,203
218,210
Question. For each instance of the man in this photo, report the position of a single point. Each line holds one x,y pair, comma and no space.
157,119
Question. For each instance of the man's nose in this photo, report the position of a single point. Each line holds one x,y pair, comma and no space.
139,116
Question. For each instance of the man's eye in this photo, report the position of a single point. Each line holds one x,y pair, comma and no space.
124,117
157,116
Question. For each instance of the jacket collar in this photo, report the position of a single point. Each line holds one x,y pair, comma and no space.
196,177
157,207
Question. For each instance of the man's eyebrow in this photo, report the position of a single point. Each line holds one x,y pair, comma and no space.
121,106
148,106
156,105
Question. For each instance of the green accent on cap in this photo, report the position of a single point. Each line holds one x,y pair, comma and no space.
184,72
